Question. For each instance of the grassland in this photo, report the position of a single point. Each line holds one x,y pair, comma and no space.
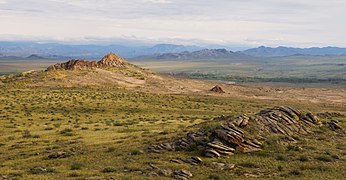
95,125
102,132
293,69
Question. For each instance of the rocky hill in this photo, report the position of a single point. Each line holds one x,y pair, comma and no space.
34,57
110,60
111,70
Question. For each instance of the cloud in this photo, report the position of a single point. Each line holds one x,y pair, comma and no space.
262,22
158,1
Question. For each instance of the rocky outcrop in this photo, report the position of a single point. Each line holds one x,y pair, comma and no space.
110,60
217,89
334,125
73,65
226,135
286,120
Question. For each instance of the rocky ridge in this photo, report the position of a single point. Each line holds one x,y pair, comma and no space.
226,135
110,60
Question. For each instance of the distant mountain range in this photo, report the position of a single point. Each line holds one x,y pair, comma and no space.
33,50
289,51
200,54
64,51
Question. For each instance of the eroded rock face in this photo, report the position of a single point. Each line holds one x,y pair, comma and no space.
110,60
226,135
73,65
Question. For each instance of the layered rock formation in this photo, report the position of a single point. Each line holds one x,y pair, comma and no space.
110,60
226,135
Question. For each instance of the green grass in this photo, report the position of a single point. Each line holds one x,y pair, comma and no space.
104,130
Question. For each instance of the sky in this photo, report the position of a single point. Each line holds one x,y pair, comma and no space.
303,23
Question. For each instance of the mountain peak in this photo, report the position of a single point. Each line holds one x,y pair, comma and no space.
113,60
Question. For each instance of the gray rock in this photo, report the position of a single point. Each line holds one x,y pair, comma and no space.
165,172
211,153
182,174
217,165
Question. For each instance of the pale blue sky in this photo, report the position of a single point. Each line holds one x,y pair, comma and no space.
300,23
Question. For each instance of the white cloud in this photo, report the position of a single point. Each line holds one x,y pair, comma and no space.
158,1
253,22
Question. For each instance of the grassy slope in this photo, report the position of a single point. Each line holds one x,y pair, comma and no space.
109,126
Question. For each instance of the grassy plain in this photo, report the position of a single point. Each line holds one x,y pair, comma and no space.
293,69
103,130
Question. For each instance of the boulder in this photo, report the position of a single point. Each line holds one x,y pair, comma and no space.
217,89
182,174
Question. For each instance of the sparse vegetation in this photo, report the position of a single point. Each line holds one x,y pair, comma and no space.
82,132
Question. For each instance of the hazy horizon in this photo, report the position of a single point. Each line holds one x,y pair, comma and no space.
245,23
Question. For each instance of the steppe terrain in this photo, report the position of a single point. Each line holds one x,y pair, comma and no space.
113,119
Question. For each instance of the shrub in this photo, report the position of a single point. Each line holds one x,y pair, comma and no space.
281,157
26,134
108,169
74,174
111,149
76,166
67,132
136,152
325,158
36,136
303,158
295,172
214,177
249,165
